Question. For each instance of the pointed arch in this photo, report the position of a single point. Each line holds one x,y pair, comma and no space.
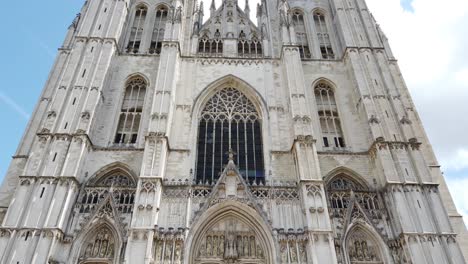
325,80
159,28
328,113
362,244
137,29
116,168
299,20
98,242
137,75
346,174
236,82
229,217
323,34
229,119
131,111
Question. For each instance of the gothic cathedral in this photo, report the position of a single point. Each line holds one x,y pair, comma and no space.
165,135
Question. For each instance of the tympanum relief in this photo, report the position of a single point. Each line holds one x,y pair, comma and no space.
230,241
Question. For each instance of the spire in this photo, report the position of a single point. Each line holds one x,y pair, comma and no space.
202,12
247,8
212,8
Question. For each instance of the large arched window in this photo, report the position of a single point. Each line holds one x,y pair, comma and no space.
229,121
130,113
158,30
328,114
301,34
136,32
323,36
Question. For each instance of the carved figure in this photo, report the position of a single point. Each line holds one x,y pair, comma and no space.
293,253
284,253
284,12
221,246
230,251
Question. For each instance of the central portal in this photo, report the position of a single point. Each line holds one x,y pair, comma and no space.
229,241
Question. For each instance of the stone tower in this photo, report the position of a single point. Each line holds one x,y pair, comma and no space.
169,136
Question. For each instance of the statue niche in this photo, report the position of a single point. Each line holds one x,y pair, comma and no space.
230,241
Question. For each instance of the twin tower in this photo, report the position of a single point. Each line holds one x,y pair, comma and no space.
165,135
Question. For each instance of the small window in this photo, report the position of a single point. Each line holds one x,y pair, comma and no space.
328,115
158,30
301,35
136,31
325,142
323,36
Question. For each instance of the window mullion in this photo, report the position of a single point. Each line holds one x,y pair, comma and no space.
213,152
254,153
204,153
246,151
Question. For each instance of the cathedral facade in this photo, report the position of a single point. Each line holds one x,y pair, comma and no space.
169,136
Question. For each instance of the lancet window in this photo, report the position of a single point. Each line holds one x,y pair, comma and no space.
136,31
131,111
323,36
301,34
158,30
249,48
99,247
210,47
328,116
229,121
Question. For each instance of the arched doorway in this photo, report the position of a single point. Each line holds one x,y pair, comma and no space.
230,232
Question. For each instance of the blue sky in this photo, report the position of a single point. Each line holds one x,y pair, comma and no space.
31,33
430,46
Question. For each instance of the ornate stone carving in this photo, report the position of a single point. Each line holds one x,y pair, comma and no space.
230,240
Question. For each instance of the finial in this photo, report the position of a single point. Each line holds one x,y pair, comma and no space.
201,7
212,8
247,8
231,154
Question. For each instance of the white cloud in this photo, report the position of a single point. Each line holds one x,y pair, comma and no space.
13,105
458,161
430,43
460,196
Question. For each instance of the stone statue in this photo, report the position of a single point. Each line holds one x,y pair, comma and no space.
284,253
221,246
284,12
158,251
168,251
259,252
230,251
209,247
293,253
246,246
252,246
177,252
303,254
